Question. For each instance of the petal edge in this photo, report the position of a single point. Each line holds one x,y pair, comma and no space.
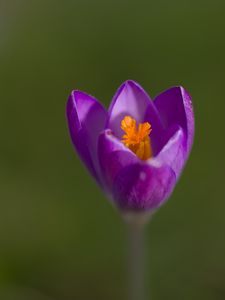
86,119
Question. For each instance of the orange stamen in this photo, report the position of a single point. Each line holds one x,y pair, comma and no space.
137,139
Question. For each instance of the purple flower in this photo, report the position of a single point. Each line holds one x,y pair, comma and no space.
137,149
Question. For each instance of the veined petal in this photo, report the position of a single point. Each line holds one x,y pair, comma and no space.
131,100
86,119
175,107
143,186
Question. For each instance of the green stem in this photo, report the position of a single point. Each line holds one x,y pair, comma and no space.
136,260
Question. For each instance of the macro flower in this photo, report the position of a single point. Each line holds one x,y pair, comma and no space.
137,149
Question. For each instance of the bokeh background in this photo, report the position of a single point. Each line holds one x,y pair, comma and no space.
59,237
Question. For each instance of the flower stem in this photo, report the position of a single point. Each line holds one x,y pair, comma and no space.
136,259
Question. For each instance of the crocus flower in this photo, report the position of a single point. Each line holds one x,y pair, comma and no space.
137,149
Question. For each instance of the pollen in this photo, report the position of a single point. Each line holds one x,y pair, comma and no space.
136,138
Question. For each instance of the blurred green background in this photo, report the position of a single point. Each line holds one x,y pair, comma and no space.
59,237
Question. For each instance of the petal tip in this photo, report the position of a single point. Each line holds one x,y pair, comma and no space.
131,82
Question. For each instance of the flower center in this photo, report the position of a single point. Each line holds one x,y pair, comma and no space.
137,138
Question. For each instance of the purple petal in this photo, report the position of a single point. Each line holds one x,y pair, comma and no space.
131,100
86,119
113,156
174,151
142,186
158,131
175,107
